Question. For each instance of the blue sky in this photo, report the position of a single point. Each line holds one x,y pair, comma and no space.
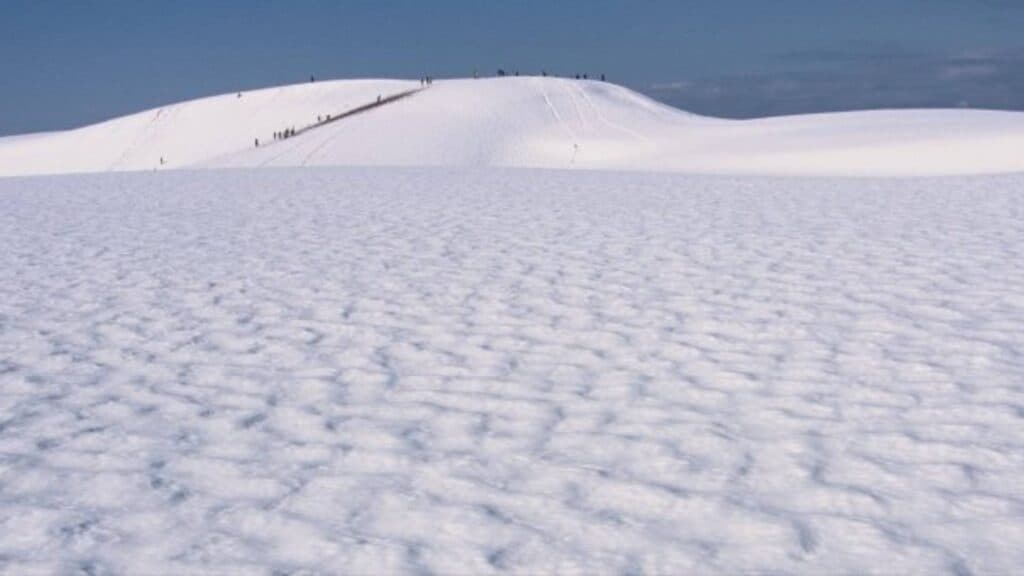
68,63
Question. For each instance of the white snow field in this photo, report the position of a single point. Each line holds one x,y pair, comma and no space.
522,122
463,371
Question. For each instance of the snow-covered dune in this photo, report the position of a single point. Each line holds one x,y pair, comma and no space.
189,132
557,123
547,122
525,122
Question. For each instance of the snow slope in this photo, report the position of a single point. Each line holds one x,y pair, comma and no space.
377,371
189,132
524,122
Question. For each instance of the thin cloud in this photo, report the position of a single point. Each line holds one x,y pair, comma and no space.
826,80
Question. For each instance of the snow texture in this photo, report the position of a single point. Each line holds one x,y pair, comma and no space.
537,122
470,372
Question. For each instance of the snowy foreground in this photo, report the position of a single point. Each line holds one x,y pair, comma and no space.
431,370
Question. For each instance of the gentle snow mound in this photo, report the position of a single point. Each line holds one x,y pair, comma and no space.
189,132
523,122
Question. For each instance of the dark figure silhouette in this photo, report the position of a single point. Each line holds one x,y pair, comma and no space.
602,77
312,79
501,72
257,143
584,76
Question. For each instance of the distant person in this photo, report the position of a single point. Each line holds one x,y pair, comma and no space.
602,77
312,79
257,143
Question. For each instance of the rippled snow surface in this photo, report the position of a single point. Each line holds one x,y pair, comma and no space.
455,371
